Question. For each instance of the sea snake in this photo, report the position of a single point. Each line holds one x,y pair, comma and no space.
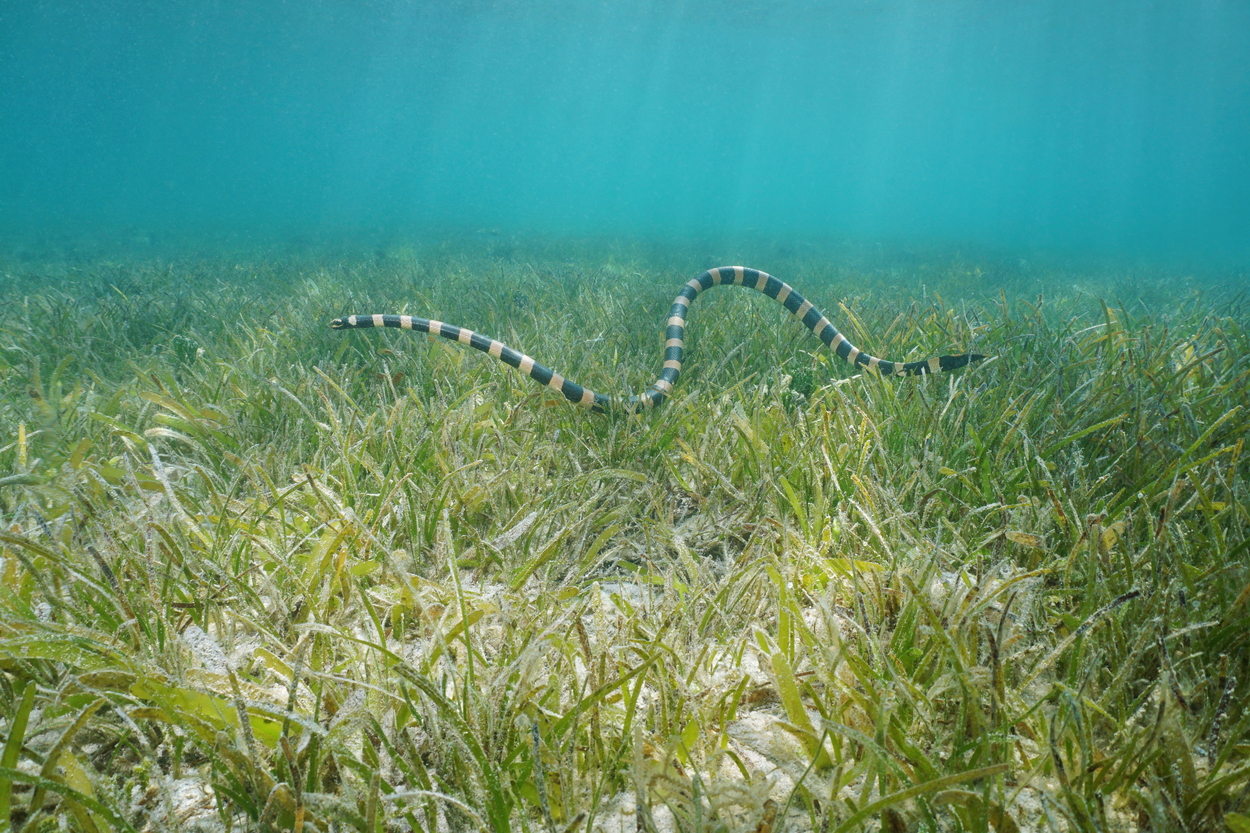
674,340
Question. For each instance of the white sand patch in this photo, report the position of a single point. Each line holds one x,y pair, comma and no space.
184,804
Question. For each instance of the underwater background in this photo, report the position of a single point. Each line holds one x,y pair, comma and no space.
1114,127
259,571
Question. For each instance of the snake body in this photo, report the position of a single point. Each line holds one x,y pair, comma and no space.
674,340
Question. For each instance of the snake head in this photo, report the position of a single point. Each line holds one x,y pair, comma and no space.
338,324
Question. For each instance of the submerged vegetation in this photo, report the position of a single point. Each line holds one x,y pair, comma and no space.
262,575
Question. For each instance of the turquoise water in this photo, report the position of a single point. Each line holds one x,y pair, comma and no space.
1112,127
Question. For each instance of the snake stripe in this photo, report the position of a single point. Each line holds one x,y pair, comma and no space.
674,341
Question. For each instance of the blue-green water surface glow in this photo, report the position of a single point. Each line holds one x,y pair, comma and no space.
1107,125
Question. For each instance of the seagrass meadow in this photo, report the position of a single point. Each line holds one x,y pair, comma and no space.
262,575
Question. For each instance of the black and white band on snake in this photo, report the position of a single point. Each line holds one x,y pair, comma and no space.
674,341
